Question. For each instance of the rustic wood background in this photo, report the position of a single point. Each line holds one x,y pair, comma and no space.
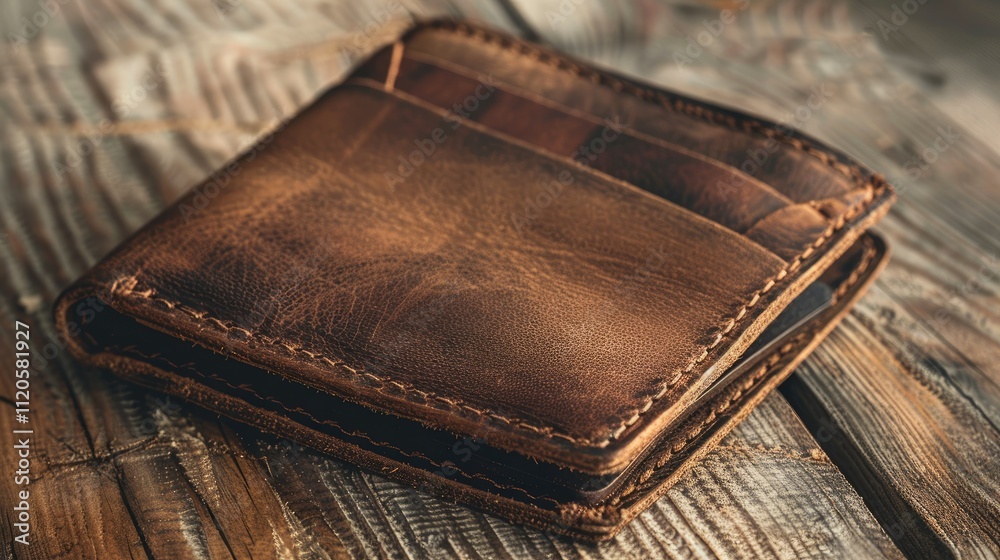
885,443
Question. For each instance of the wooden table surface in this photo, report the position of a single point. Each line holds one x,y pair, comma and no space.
885,443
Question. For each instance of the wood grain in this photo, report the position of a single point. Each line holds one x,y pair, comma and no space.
768,491
905,397
904,400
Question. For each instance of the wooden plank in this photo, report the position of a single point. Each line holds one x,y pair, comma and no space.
767,491
905,398
176,482
66,480
907,438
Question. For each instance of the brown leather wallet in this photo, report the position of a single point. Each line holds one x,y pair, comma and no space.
497,274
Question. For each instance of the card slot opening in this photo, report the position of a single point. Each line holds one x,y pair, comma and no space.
707,187
612,185
798,175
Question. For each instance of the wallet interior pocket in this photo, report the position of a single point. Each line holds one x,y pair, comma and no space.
702,184
795,167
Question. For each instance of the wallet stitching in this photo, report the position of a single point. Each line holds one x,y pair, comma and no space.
191,367
874,184
866,260
790,346
733,399
127,287
728,326
705,113
603,512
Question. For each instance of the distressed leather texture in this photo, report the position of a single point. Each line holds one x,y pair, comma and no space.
474,237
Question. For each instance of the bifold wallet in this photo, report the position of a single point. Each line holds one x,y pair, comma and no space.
494,273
